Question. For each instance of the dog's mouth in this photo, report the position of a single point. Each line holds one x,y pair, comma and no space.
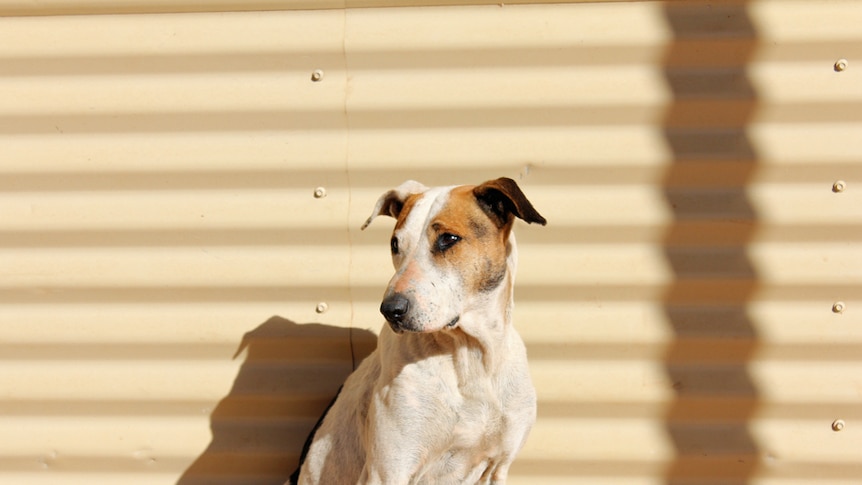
399,327
396,327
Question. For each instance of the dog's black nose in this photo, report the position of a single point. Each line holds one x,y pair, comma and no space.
394,308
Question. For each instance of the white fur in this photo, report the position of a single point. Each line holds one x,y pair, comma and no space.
441,406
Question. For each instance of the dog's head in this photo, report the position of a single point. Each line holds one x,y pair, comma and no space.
451,249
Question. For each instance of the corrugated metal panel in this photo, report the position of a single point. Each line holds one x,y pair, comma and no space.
163,253
100,7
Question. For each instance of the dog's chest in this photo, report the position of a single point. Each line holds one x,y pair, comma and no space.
479,415
464,406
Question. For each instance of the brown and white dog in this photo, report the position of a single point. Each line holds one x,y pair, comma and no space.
446,398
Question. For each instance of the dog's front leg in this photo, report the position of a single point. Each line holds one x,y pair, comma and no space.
500,473
384,466
376,475
394,440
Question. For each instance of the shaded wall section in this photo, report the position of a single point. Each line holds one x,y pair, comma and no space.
707,243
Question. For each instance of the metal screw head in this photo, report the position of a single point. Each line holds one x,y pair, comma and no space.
320,192
840,65
317,75
321,307
838,425
839,186
838,307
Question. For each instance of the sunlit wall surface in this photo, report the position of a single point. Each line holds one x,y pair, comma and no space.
183,282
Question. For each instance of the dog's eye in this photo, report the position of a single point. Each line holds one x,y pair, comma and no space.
446,241
393,244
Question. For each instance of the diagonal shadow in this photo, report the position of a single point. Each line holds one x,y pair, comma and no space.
290,374
706,244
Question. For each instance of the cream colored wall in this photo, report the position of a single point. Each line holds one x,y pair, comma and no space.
178,304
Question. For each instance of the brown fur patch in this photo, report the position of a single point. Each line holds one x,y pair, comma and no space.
409,202
480,256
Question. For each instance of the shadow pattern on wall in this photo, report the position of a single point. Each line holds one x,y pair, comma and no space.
707,242
290,374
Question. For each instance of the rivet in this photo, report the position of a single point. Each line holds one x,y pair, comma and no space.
838,425
839,186
838,307
317,75
320,192
840,65
321,307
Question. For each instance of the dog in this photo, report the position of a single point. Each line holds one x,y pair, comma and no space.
446,398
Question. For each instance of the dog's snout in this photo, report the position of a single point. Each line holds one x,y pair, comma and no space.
394,308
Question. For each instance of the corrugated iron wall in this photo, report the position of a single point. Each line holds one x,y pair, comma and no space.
183,284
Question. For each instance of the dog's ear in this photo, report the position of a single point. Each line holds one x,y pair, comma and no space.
391,203
503,200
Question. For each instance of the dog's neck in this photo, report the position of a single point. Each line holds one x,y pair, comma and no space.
482,337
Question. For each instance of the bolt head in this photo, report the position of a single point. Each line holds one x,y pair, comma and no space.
317,75
839,186
320,192
838,307
321,307
838,425
840,65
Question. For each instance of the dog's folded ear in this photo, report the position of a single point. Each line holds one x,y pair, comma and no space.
391,203
502,200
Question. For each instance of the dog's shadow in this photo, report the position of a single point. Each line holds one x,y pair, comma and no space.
290,374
